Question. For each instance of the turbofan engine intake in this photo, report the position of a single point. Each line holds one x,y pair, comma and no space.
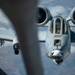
16,48
42,16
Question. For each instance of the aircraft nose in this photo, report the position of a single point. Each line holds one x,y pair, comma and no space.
58,61
57,53
57,56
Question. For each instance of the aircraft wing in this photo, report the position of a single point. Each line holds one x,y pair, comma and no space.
71,18
72,34
71,21
72,30
71,24
6,35
42,36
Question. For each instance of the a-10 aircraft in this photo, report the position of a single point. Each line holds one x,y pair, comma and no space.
57,38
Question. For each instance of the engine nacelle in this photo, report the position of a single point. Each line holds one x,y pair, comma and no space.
72,15
42,16
16,46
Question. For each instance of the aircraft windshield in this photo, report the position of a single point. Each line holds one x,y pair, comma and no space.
58,26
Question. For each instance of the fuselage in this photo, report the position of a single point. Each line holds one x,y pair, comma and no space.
58,41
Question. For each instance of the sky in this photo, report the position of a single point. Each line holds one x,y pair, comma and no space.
56,7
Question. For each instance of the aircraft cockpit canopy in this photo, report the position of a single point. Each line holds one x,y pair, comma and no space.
58,26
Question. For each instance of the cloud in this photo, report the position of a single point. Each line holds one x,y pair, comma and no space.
45,1
5,23
57,10
3,17
69,8
4,29
73,49
4,20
